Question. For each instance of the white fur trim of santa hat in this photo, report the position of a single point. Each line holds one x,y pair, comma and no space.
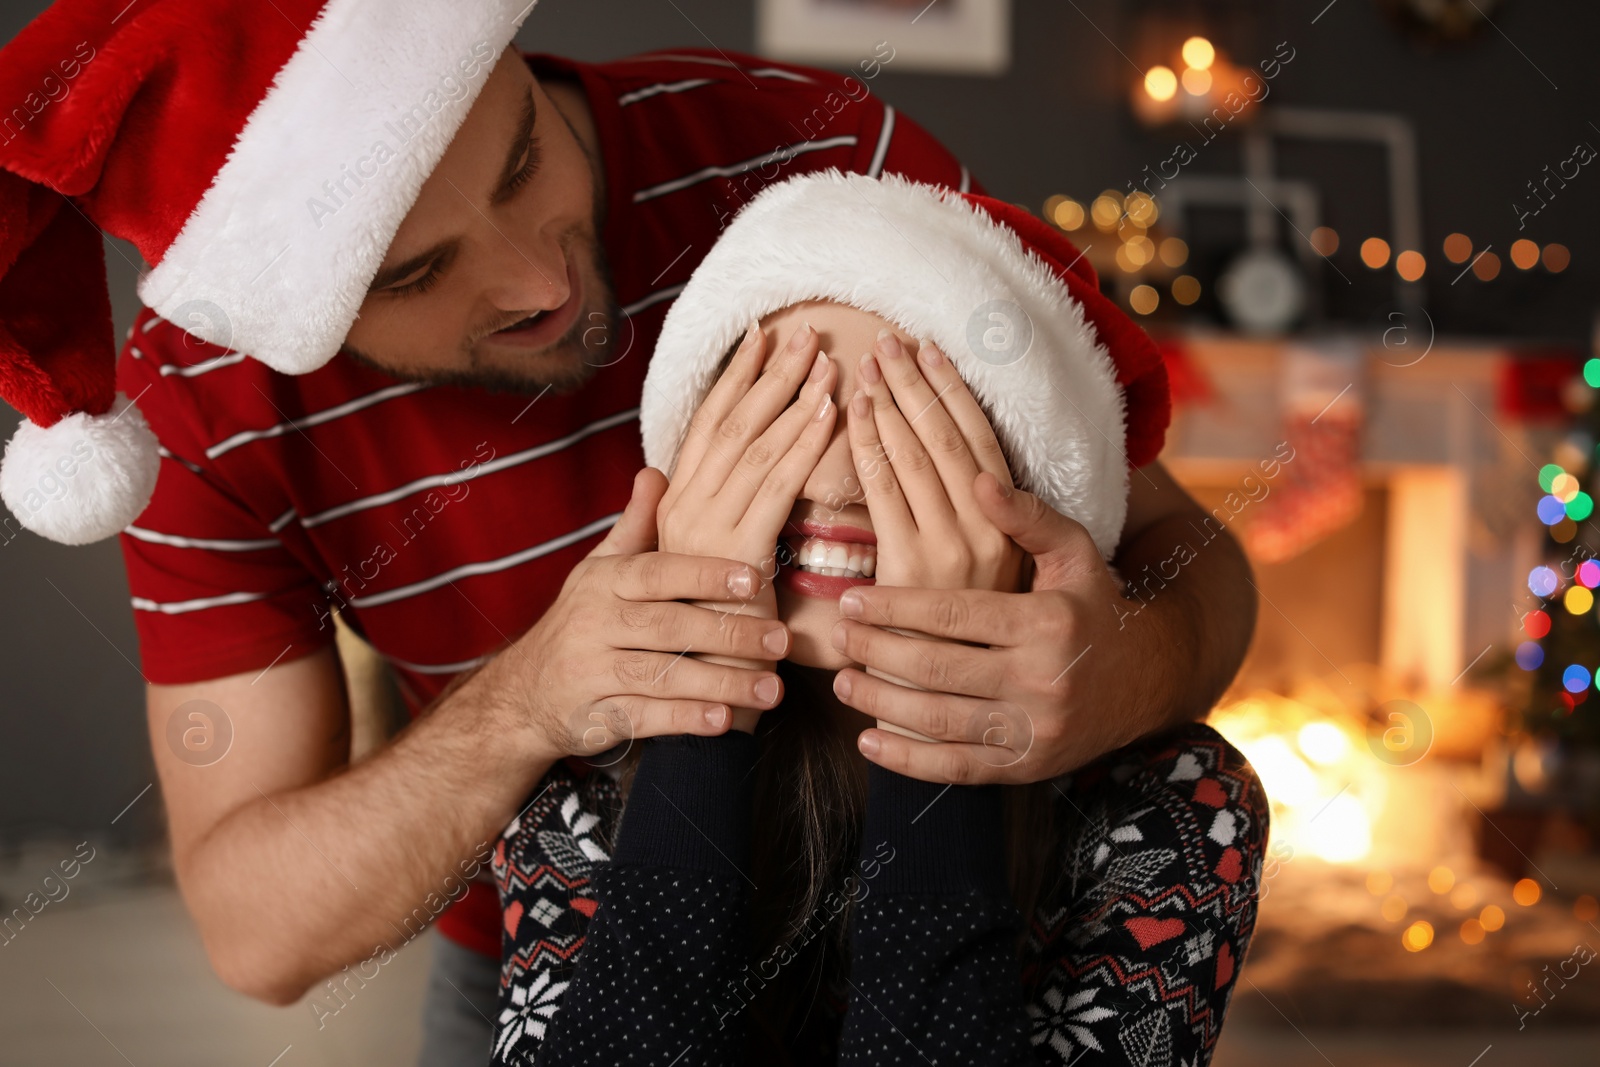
82,478
277,256
939,268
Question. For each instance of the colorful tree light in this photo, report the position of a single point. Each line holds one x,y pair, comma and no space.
1575,678
1536,624
1551,510
1530,656
1542,581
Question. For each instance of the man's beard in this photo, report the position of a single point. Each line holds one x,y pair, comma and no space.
565,366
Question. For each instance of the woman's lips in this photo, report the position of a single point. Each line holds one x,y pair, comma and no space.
549,326
832,553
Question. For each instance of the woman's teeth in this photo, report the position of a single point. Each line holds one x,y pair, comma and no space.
838,559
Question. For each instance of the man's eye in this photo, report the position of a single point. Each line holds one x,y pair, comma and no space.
421,285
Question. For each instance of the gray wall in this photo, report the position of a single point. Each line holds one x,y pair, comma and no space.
73,749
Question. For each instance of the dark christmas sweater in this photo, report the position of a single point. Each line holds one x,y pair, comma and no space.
632,944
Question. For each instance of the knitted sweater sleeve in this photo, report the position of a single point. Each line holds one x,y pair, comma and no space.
671,928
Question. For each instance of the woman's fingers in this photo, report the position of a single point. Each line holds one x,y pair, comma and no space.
913,468
927,416
806,428
891,515
964,411
733,384
754,412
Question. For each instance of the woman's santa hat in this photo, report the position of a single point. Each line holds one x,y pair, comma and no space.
1076,392
261,157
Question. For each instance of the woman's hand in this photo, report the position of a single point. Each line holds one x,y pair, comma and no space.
918,477
745,460
918,473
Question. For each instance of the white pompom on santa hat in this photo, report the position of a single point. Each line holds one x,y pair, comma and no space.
260,157
1076,391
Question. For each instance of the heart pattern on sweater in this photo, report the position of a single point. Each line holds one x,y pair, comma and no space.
1148,931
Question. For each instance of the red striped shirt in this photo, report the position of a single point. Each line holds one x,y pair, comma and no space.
442,521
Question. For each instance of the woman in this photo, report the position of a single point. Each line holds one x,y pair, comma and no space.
771,896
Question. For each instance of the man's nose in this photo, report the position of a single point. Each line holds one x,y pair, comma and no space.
529,275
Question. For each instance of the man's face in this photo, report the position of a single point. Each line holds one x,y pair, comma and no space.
496,278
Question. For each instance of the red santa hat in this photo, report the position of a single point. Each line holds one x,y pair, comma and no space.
1076,392
260,157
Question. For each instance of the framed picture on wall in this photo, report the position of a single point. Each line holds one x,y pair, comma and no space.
959,36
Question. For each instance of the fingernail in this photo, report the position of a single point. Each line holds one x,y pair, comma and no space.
868,743
1005,490
767,690
741,585
841,686
930,354
860,406
838,636
750,334
800,338
870,371
819,367
715,717
822,408
776,641
850,603
889,344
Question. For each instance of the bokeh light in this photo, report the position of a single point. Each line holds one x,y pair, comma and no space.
1575,679
1174,252
1197,82
1375,252
1551,510
1440,879
1542,581
1199,53
1458,248
1588,574
1530,656
1325,240
1564,487
1591,372
1472,932
1577,601
1524,254
1417,936
1486,268
1493,917
1160,83
1526,892
1144,299
1536,624
1580,507
1556,258
1586,909
1068,214
1548,475
1186,289
1323,743
1410,265
1394,907
1464,896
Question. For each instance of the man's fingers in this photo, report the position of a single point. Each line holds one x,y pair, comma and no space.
669,626
1060,546
1001,726
937,761
983,616
674,576
617,720
669,676
937,665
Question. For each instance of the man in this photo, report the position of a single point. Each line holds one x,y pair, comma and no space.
461,482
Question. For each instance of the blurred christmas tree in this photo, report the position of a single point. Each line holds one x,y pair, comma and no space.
1561,647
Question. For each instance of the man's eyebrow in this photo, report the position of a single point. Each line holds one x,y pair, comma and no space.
519,143
508,170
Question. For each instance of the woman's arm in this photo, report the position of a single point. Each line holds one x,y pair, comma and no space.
670,933
934,972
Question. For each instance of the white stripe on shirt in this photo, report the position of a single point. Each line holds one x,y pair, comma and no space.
315,419
707,173
653,299
226,360
179,607
440,668
486,567
433,481
883,142
662,87
216,543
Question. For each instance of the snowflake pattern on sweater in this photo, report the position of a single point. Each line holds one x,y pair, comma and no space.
1131,959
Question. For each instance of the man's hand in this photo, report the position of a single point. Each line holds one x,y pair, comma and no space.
606,663
1073,669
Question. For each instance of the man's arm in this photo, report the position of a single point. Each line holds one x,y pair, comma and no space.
294,863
